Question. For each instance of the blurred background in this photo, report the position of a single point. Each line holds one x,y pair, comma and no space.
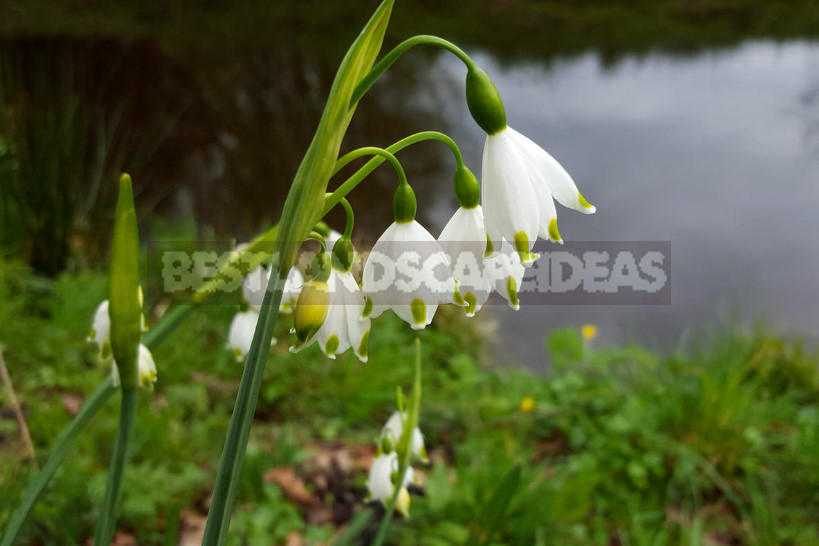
689,121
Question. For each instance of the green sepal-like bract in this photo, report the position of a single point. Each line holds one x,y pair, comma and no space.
125,308
343,254
467,188
404,204
484,102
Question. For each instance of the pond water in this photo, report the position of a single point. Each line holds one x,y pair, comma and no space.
716,152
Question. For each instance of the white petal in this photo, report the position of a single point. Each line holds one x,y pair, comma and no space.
146,368
101,330
240,334
379,482
333,337
405,268
254,286
561,185
506,273
508,198
463,240
394,428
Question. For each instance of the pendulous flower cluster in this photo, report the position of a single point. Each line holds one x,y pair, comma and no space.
383,476
485,247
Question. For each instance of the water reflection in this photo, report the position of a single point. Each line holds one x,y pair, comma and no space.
711,153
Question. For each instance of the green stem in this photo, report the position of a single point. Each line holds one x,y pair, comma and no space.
227,478
404,446
332,199
348,211
348,158
386,62
61,446
116,470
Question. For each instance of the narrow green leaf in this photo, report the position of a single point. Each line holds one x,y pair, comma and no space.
493,512
354,528
302,210
62,444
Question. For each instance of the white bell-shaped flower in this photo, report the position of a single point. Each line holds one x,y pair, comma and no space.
380,482
256,282
392,432
146,369
408,272
343,327
505,273
463,240
520,181
101,331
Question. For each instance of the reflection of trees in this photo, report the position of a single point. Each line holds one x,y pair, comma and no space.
228,133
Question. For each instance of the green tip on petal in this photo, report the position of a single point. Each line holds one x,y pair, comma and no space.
105,353
554,234
490,248
368,308
583,203
237,352
512,292
471,303
362,347
522,246
331,346
457,298
423,453
92,334
419,312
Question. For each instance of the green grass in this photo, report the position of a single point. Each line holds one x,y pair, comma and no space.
716,444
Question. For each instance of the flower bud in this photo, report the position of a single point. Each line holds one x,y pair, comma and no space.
484,102
343,254
311,309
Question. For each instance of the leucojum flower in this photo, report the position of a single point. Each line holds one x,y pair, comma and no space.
243,325
407,270
101,335
330,306
520,179
383,476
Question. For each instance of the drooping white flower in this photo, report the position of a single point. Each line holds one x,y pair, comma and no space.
240,334
343,327
463,240
101,335
146,369
256,282
380,482
407,271
394,428
101,331
520,181
505,273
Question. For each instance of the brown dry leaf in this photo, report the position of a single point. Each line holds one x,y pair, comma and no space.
123,539
71,403
294,539
191,528
291,485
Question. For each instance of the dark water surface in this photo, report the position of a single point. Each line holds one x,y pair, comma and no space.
717,153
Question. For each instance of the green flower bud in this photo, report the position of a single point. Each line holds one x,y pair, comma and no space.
343,254
404,204
467,188
484,102
311,309
320,268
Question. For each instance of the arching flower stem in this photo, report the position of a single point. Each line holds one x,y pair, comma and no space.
387,61
333,198
349,157
348,210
